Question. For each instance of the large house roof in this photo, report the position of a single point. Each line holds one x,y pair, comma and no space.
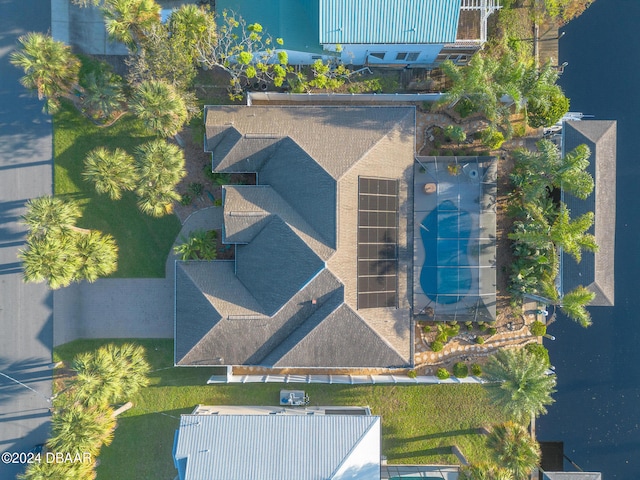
382,21
596,270
278,447
290,299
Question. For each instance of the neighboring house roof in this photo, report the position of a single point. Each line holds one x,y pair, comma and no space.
290,297
383,21
278,447
572,476
596,270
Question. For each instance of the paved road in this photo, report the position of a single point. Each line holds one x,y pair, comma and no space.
26,311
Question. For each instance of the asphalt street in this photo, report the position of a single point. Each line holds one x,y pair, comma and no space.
26,311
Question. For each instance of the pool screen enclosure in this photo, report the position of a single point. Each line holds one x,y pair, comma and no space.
455,238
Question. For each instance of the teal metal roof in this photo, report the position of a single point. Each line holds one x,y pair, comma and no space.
388,21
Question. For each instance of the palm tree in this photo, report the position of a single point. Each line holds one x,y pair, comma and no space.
571,234
111,172
524,388
48,470
160,107
79,429
196,25
514,450
97,256
483,471
201,245
49,66
49,216
573,305
50,259
126,20
160,168
102,94
109,374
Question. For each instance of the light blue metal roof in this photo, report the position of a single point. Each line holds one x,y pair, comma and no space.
388,21
273,447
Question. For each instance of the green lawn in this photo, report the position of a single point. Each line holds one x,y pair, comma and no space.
419,423
143,241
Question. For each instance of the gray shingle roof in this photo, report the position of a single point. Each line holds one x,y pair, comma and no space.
596,270
278,447
297,232
572,476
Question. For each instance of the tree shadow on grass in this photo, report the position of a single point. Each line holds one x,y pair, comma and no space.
451,433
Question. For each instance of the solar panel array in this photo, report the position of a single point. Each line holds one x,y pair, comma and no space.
377,243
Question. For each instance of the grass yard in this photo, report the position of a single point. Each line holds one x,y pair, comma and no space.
419,423
143,241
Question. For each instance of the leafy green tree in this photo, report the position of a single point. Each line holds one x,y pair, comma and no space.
103,95
484,471
112,172
110,374
573,305
160,107
79,429
514,450
127,20
49,66
523,387
196,28
550,112
160,168
201,245
245,52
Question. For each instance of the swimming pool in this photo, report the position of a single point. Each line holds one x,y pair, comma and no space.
445,276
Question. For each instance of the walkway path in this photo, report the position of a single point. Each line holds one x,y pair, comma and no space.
125,307
25,310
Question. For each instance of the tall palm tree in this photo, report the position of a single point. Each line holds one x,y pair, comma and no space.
126,20
48,470
573,305
97,256
110,374
49,66
102,94
79,429
160,168
524,388
50,259
160,107
112,172
484,471
49,215
513,449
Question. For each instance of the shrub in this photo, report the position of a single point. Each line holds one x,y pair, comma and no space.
437,346
442,373
196,188
492,330
469,325
476,370
454,169
426,329
453,330
185,199
539,351
538,329
465,107
480,340
412,374
492,138
483,327
460,370
434,153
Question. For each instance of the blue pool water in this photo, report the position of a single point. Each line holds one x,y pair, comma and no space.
445,233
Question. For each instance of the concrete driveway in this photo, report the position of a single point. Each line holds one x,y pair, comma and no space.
26,311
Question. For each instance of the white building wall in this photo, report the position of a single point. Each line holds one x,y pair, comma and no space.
401,54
